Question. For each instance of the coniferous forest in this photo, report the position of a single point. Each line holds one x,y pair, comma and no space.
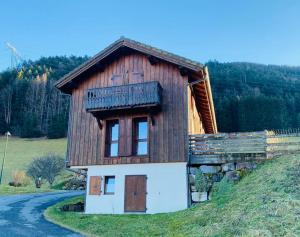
30,105
247,97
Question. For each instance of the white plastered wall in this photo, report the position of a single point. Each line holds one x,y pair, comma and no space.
166,187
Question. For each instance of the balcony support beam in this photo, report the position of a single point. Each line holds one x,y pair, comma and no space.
99,122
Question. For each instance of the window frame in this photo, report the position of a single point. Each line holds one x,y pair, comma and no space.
108,137
106,177
135,139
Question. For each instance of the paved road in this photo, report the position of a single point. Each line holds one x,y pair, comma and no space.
22,215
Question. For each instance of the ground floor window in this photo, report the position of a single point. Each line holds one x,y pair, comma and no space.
109,185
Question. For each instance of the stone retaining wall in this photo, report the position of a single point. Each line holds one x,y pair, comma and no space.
234,154
232,171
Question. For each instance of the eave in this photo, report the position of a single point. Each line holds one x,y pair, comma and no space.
204,103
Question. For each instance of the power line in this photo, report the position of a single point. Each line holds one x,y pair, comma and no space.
16,58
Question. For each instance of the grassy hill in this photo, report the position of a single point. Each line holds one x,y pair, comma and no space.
264,203
20,153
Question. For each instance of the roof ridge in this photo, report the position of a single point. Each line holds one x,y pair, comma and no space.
162,51
135,45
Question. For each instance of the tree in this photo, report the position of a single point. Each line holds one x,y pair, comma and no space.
57,127
29,102
298,120
254,97
53,165
35,170
46,167
30,126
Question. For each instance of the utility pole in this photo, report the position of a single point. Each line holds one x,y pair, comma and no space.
15,55
3,160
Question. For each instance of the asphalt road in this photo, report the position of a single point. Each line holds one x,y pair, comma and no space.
22,215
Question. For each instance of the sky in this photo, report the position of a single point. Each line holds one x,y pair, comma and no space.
261,31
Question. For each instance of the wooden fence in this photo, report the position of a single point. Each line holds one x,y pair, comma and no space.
280,142
224,147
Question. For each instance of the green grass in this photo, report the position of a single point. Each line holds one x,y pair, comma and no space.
6,189
20,152
264,203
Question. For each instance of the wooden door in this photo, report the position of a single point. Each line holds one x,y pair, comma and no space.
135,193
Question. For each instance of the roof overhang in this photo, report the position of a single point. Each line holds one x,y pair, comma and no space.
204,102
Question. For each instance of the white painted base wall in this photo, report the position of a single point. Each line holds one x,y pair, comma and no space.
166,187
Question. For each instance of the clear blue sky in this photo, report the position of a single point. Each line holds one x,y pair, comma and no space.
262,31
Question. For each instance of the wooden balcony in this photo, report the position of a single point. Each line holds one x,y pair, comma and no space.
133,96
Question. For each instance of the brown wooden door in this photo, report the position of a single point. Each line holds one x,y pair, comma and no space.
135,193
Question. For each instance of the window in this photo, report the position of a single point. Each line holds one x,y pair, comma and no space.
140,136
112,138
109,185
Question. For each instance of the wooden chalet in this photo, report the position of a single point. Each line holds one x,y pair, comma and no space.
132,110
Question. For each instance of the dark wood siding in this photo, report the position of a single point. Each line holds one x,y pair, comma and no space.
168,137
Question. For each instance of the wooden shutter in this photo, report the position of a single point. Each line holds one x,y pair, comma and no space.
122,137
125,139
128,143
95,185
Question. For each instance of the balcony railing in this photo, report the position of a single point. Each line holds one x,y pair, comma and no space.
147,94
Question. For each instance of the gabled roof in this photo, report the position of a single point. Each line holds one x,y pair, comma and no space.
202,90
182,62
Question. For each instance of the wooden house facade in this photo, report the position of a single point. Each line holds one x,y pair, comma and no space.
132,110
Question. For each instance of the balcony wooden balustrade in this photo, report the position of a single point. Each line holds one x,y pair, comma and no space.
132,96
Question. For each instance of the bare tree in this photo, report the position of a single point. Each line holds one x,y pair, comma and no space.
6,95
46,167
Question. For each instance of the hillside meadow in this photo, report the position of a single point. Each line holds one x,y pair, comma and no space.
20,152
264,203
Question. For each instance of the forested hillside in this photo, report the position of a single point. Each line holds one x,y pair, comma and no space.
248,97
254,97
30,106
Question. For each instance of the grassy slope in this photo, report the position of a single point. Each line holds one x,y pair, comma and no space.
20,153
264,203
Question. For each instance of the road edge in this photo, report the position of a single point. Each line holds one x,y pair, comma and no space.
51,220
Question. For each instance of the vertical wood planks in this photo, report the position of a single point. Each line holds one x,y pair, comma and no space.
168,136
